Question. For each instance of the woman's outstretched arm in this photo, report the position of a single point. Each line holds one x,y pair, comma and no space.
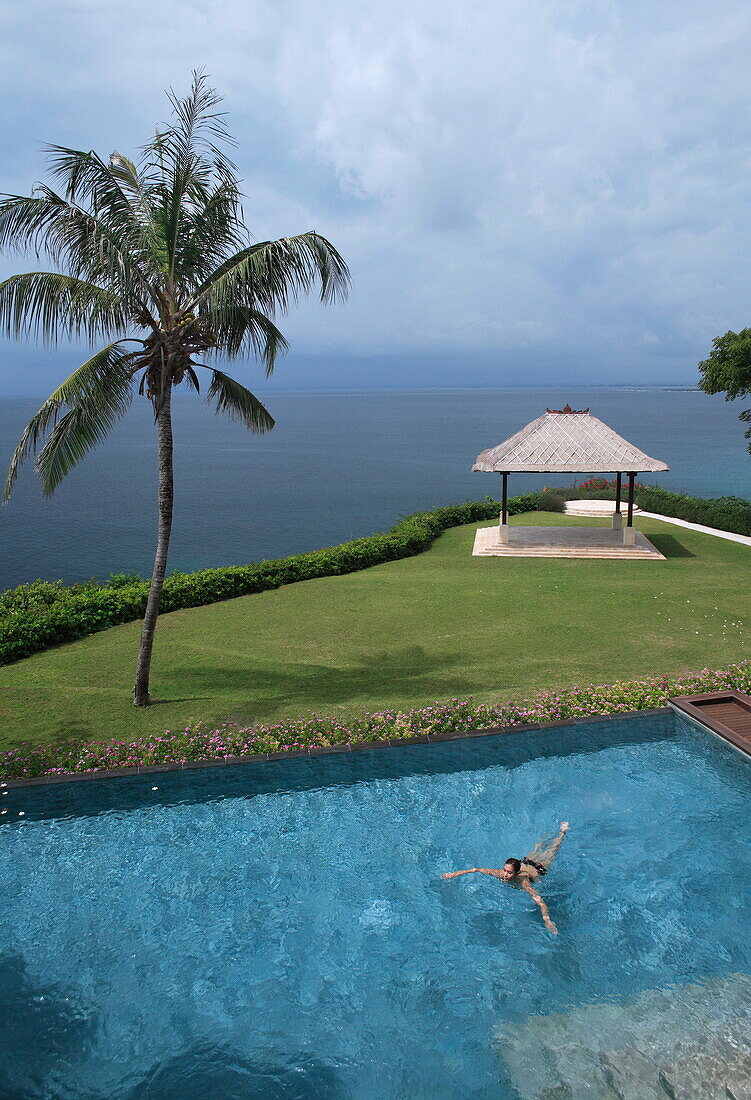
473,871
543,907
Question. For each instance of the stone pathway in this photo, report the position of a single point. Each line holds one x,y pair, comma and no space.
690,1042
604,509
744,540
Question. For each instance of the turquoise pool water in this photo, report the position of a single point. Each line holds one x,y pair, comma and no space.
283,931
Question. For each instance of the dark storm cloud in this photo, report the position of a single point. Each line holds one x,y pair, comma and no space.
543,183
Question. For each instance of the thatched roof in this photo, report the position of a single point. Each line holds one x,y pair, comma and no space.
566,442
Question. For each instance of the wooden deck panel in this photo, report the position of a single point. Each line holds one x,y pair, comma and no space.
730,714
726,713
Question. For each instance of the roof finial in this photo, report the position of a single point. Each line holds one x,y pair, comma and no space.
567,409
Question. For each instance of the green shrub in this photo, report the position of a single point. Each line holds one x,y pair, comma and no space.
41,595
549,501
37,616
724,513
123,580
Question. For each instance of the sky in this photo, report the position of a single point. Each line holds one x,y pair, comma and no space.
526,193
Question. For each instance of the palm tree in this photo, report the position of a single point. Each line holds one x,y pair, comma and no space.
153,254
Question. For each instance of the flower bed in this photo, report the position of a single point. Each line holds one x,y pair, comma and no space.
197,743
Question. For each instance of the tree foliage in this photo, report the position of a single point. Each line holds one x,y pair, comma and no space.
728,370
153,258
153,254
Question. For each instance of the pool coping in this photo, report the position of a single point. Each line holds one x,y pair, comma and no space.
351,746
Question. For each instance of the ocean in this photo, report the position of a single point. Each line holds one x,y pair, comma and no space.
336,466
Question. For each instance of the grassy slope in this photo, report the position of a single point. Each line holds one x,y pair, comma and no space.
438,625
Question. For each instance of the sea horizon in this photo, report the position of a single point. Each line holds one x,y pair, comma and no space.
325,391
356,464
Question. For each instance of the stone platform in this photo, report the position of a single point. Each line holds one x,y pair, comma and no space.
598,508
564,542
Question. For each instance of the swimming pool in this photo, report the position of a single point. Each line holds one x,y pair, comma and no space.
282,930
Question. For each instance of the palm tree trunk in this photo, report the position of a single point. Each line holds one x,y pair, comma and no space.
166,496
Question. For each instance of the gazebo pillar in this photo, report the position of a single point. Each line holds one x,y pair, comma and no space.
617,517
503,525
629,534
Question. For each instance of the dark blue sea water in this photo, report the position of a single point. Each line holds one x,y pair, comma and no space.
283,931
335,466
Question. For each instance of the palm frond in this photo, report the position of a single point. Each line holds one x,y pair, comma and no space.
52,305
242,330
26,221
74,239
124,171
90,181
101,387
118,197
141,188
191,378
211,231
199,130
73,436
188,159
272,274
238,403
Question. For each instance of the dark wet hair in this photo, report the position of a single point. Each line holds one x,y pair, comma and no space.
515,863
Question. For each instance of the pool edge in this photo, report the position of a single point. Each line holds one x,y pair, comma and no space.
358,746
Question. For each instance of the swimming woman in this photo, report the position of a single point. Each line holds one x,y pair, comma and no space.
521,873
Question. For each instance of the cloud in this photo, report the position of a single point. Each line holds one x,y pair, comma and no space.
554,179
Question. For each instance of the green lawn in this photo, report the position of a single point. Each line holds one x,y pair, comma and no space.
432,627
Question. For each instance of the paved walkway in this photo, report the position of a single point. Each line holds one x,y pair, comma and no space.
604,509
745,540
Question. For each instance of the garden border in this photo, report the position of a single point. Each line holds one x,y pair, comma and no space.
355,746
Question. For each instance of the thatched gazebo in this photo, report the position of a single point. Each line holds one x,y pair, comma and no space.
568,441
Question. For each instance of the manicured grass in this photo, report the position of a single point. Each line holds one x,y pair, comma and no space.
403,634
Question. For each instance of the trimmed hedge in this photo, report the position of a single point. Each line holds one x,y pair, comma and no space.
38,616
725,513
